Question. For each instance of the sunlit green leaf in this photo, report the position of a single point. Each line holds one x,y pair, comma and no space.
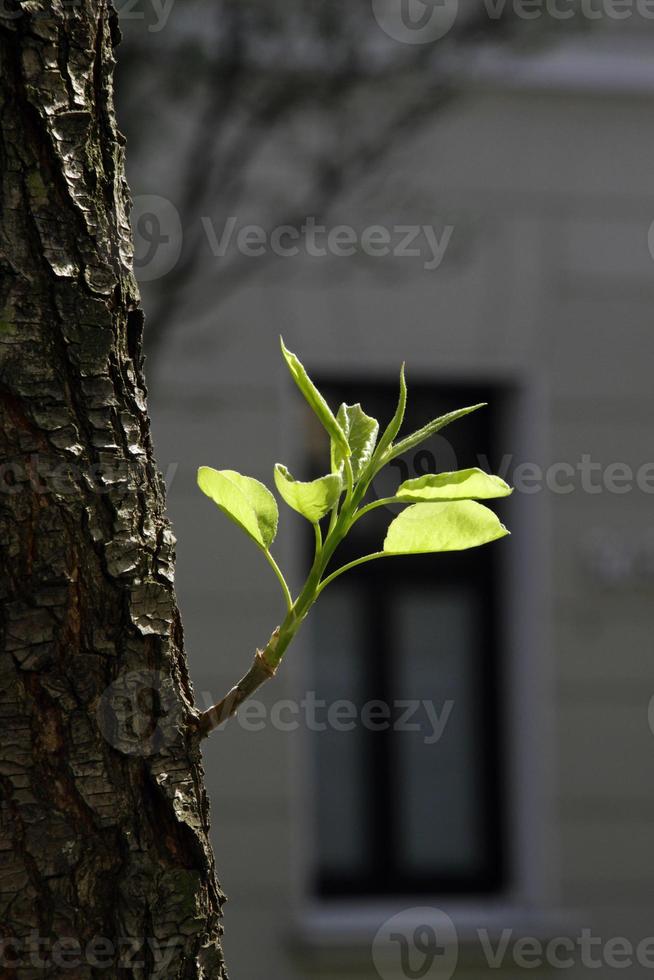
446,526
471,484
316,400
361,433
245,500
313,500
431,428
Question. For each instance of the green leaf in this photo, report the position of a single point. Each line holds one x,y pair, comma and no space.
472,484
246,501
313,500
431,428
395,423
446,526
315,400
361,433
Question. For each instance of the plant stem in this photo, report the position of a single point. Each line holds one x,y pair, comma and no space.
258,673
282,581
332,519
349,479
316,528
350,565
382,502
267,661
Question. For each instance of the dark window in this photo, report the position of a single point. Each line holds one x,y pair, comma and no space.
403,810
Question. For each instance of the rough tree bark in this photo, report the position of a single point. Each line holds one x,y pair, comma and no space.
103,812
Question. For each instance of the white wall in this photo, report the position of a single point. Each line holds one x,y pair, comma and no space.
549,281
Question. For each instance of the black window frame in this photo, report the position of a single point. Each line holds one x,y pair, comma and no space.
384,875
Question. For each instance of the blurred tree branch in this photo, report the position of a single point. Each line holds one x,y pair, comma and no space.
267,76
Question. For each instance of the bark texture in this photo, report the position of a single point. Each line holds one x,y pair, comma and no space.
103,813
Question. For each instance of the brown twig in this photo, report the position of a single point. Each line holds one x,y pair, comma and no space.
263,667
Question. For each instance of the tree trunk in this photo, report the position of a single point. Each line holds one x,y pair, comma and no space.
105,863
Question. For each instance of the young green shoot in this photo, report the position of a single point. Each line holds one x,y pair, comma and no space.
442,512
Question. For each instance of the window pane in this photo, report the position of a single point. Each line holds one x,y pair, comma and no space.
340,771
412,812
439,809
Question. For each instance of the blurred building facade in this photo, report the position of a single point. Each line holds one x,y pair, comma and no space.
541,170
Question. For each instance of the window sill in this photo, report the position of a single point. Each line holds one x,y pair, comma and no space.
349,928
